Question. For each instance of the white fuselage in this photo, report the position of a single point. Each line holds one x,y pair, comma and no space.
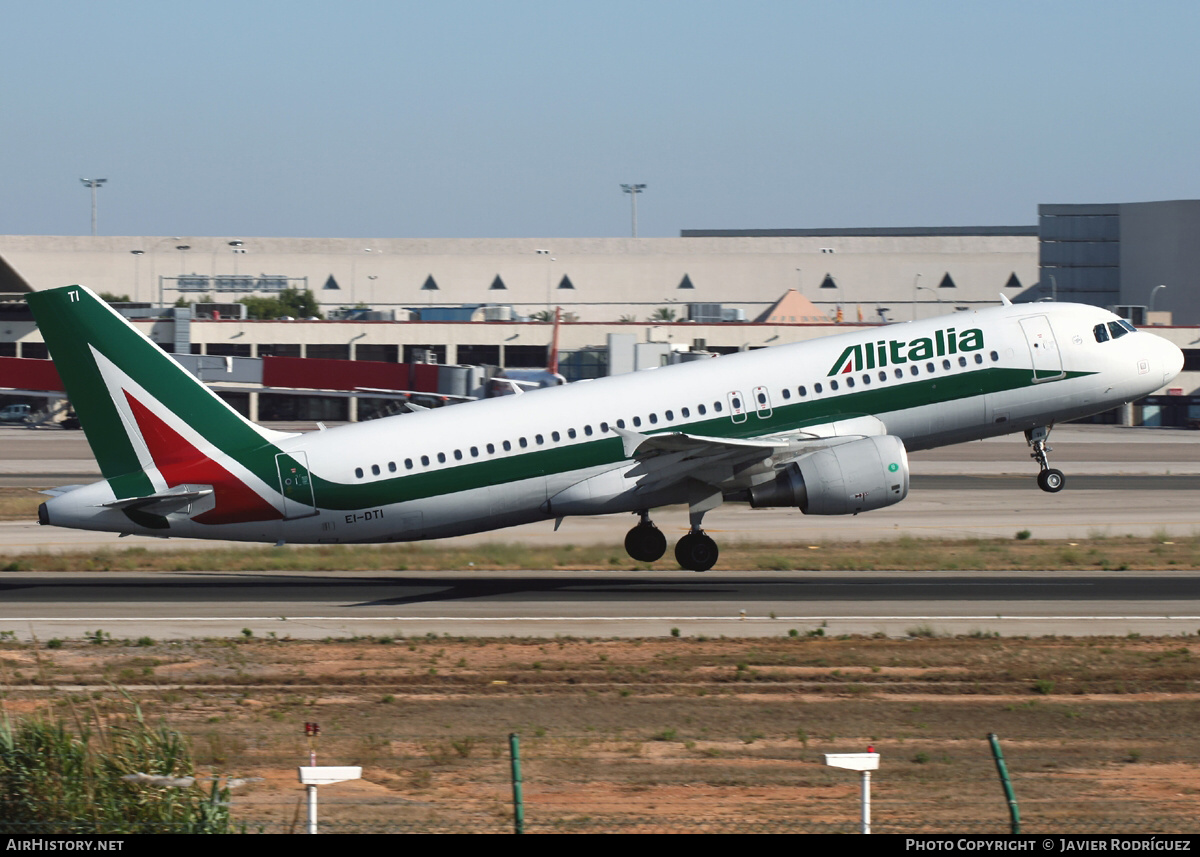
500,462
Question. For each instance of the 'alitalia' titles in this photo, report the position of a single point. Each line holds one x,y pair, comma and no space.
870,355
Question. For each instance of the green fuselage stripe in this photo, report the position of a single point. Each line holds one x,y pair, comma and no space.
886,397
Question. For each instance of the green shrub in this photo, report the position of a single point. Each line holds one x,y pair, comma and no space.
119,776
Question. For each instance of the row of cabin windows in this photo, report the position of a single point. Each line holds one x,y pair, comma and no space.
898,372
668,415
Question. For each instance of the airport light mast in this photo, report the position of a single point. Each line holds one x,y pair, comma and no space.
633,190
94,184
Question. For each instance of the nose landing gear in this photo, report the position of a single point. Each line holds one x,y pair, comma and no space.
1049,479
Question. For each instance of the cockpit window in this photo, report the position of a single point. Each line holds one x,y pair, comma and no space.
1101,332
1120,328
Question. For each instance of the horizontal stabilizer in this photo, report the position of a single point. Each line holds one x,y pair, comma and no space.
162,503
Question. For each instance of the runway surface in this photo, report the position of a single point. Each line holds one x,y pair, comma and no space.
1119,481
172,605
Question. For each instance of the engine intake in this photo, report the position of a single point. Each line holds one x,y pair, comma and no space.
841,480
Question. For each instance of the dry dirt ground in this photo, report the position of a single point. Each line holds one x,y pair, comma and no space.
686,734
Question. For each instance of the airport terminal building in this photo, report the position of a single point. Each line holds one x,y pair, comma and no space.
627,302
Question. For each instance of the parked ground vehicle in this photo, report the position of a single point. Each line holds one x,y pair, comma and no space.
16,413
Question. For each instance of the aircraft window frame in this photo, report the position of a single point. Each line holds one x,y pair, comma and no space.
802,391
718,407
571,433
1128,325
946,364
538,439
458,455
474,452
930,368
358,472
603,428
491,449
1100,331
507,445
978,359
555,436
683,412
424,460
408,464
637,422
391,467
701,410
833,385
899,373
850,382
817,388
587,430
1117,329
375,470
995,356
441,458
914,370
669,415
882,375
653,419
866,379
620,423
962,361
786,393
522,442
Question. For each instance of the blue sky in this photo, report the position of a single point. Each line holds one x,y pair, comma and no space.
464,119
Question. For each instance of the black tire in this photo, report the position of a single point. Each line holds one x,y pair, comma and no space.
1051,481
696,552
645,543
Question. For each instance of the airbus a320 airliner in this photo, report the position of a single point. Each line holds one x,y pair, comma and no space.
823,426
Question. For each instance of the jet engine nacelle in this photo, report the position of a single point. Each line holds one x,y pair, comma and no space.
841,480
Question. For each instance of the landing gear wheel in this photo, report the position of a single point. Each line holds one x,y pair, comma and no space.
1051,480
696,552
645,543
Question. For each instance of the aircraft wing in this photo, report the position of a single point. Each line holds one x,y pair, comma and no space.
664,459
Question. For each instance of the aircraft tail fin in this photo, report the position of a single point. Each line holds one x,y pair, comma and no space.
142,412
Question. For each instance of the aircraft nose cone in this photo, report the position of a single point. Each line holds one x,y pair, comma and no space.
1172,361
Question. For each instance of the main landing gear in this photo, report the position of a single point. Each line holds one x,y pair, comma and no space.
1049,479
696,551
645,542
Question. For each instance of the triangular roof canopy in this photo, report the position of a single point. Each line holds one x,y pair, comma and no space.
793,308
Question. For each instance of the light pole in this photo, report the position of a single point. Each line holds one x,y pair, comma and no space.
931,291
1153,292
916,280
633,190
137,273
94,185
549,260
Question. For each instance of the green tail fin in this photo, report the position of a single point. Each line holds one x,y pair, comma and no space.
123,387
